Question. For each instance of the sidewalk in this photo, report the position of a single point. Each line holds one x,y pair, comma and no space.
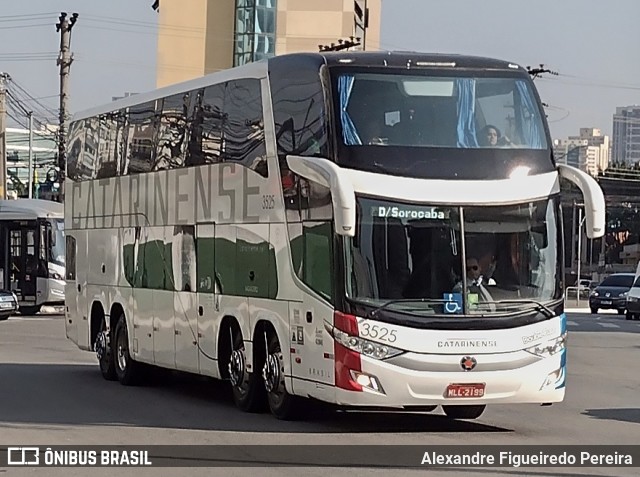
573,306
52,310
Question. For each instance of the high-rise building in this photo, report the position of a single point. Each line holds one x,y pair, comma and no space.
589,151
198,37
626,135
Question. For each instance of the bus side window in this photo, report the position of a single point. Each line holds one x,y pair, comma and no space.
141,138
204,129
70,258
243,125
172,132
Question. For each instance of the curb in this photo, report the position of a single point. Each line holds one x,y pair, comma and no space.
577,310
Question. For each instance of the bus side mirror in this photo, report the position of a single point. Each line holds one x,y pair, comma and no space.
594,204
329,174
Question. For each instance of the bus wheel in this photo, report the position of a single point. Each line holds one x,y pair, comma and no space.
248,393
104,352
30,310
127,370
464,412
282,404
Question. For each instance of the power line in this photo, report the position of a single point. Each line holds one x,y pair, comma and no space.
27,15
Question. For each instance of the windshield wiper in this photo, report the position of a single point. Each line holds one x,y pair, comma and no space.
372,313
541,307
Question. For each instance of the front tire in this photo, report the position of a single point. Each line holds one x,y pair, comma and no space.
127,370
282,405
464,412
594,311
620,312
248,391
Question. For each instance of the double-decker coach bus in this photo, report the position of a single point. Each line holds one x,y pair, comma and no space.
371,230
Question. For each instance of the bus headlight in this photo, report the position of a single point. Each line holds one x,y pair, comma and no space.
551,347
365,347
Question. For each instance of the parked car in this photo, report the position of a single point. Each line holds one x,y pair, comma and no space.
8,304
612,293
585,287
633,298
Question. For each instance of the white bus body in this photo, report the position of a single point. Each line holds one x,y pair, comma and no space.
32,261
304,227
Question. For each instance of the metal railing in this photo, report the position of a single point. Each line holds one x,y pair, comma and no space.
575,297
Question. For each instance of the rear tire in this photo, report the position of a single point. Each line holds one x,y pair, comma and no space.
30,310
594,311
282,405
248,390
629,316
127,370
104,347
464,412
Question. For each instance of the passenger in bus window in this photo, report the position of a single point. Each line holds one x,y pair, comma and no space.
490,137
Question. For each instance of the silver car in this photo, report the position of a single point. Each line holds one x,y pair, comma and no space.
8,304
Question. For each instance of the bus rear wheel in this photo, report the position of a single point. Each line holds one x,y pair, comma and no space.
127,370
283,405
104,351
248,392
464,412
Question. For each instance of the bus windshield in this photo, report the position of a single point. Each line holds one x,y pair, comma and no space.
56,252
426,109
413,254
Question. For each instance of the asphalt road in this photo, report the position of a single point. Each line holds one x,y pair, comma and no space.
52,394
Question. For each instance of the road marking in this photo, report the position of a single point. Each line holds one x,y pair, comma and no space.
29,318
609,325
573,323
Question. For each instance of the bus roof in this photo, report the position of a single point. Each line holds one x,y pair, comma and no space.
259,69
30,209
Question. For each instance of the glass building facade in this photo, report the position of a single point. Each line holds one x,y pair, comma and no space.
45,154
255,33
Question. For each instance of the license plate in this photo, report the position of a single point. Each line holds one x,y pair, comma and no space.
475,390
6,305
606,302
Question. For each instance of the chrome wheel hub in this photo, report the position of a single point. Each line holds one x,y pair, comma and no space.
101,345
236,367
271,373
122,354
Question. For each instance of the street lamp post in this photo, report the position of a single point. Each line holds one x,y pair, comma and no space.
580,222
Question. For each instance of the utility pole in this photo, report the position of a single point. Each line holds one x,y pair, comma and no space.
3,142
30,181
64,62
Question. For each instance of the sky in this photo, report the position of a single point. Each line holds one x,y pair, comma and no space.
592,44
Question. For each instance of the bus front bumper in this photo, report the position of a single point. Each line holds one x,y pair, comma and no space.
542,381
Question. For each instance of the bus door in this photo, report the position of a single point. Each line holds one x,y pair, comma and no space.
23,260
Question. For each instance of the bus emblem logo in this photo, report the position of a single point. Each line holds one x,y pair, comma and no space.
468,363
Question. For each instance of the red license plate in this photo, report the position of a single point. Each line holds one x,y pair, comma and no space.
475,390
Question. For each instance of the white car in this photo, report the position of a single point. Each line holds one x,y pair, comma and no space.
8,304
